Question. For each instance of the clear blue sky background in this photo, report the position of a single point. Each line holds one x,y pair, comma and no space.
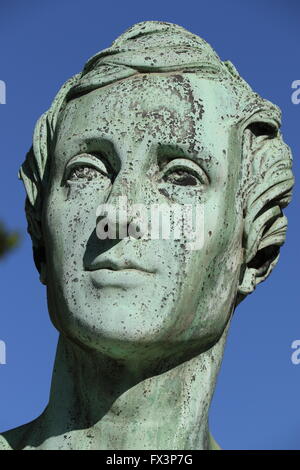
43,43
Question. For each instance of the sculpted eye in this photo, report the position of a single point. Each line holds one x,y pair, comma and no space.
86,167
84,172
184,172
181,177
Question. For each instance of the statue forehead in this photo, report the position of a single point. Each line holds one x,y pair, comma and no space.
169,98
176,109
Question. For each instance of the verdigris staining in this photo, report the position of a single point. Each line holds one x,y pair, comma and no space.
159,119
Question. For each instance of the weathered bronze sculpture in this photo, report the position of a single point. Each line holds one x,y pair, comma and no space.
160,119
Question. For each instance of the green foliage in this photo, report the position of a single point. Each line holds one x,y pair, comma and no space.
8,240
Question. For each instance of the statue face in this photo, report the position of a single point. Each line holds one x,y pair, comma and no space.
177,301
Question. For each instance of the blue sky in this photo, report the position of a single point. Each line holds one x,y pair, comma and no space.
256,403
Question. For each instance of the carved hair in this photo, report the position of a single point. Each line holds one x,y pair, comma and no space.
266,179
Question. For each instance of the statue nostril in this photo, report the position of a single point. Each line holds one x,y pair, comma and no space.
137,232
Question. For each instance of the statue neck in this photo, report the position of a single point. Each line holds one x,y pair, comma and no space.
99,404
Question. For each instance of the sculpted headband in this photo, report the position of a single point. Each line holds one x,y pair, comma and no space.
154,46
150,47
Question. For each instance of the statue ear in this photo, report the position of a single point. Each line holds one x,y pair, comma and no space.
268,180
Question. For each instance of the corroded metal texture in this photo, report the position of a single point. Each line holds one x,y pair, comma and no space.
157,119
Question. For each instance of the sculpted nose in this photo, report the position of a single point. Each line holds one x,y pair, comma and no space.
118,217
126,184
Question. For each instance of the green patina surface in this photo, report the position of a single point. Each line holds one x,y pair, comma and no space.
160,119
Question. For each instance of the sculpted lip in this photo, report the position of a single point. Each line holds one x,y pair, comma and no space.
108,272
110,264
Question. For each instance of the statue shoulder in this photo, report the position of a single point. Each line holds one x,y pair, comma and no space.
24,437
14,439
4,445
213,445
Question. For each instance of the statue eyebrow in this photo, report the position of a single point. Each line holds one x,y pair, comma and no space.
99,145
168,152
105,146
